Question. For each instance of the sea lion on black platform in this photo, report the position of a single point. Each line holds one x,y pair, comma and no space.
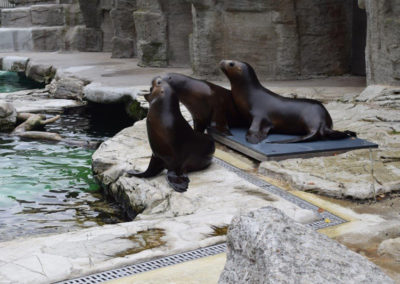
176,147
267,111
209,104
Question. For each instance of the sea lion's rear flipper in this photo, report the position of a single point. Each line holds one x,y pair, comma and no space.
179,183
336,135
306,138
155,167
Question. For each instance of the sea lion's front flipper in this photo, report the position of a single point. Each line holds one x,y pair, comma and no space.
219,121
179,183
257,132
199,125
155,167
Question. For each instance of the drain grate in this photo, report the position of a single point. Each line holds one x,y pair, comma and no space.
319,224
211,250
148,266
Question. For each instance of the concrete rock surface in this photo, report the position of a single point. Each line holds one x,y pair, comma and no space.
8,116
349,174
265,246
390,247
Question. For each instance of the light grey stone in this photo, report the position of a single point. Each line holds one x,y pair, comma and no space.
178,15
349,174
97,93
15,63
67,88
122,47
122,19
17,17
48,15
8,116
265,246
151,32
91,12
282,39
82,38
47,38
39,72
15,39
383,36
390,247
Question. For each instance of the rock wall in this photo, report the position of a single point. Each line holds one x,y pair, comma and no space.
383,37
283,39
163,29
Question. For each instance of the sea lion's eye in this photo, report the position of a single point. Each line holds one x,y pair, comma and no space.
169,78
231,64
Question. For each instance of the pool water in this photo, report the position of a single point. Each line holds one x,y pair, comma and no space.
48,187
12,82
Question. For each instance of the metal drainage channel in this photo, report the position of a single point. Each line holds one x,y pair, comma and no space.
211,250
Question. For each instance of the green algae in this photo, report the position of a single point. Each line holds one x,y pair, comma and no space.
219,231
144,240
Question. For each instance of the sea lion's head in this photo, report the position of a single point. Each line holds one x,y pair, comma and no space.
238,71
160,91
175,80
155,82
156,90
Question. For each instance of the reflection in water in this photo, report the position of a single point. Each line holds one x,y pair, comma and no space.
48,187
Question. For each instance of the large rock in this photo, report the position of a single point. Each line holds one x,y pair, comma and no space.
14,63
67,88
214,190
8,116
151,29
265,246
383,36
82,38
48,15
390,247
384,96
349,174
282,39
47,38
39,72
122,47
18,17
123,42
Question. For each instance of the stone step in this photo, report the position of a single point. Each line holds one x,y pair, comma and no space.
49,15
31,39
50,39
22,3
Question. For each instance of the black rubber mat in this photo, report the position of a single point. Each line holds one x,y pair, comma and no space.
265,151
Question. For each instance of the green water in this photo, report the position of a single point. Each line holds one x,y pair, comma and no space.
12,82
49,187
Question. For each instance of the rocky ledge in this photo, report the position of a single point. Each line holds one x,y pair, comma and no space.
265,246
215,190
355,174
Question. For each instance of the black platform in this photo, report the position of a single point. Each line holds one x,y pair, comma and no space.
265,151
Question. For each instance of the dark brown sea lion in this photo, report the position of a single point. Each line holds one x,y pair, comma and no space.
176,147
209,104
267,111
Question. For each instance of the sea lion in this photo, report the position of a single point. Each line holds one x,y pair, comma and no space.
175,145
267,111
209,104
